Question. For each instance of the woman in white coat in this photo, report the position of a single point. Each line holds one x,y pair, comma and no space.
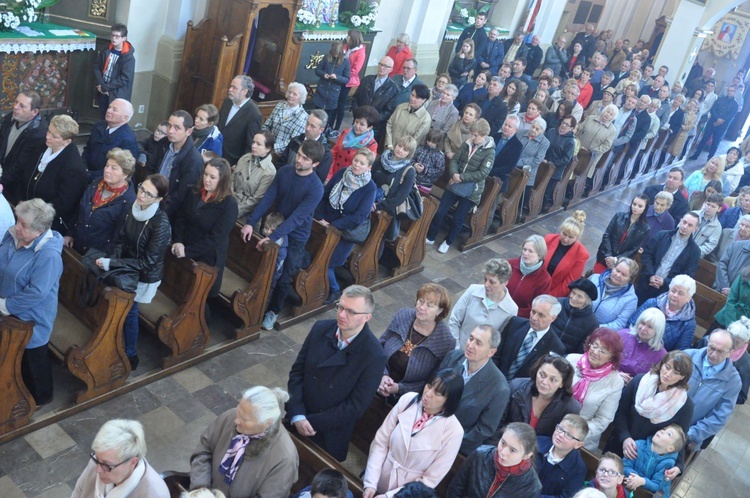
419,440
597,385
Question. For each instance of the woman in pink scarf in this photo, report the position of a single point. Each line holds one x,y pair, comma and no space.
596,384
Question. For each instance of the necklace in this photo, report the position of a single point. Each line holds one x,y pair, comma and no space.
409,345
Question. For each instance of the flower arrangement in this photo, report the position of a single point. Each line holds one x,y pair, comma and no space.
14,12
468,16
306,18
363,19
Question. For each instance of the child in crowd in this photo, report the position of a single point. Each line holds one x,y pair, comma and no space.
272,221
609,476
202,493
207,155
148,146
655,455
328,483
558,461
429,160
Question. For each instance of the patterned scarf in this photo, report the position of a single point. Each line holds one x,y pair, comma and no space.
391,164
588,375
352,141
99,199
502,473
656,406
232,460
349,183
421,422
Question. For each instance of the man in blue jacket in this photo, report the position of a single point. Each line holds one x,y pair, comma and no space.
492,56
113,131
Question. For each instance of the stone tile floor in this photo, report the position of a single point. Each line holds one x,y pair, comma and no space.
176,409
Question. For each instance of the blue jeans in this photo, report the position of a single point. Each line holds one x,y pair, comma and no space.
295,260
130,331
459,215
338,258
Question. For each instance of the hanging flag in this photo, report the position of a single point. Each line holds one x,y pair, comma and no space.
530,21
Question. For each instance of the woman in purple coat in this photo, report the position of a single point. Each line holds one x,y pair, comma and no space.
643,344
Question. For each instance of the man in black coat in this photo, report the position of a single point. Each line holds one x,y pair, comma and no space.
673,185
336,374
113,131
642,124
722,113
525,340
668,253
22,133
507,151
494,110
486,392
239,119
378,91
587,40
114,69
476,33
316,124
177,158
534,56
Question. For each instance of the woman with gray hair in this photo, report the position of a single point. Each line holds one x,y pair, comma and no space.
678,308
58,176
288,118
643,344
658,216
535,146
118,466
529,277
246,451
443,113
597,133
30,270
487,303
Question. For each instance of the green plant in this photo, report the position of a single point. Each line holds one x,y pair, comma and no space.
468,16
363,19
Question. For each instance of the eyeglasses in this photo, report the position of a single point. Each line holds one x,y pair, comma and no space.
720,352
105,466
596,348
145,192
607,472
408,68
566,434
380,64
349,312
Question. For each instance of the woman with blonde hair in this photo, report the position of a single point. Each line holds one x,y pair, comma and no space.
713,170
566,256
463,63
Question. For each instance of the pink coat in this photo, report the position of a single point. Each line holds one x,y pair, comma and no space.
396,458
356,61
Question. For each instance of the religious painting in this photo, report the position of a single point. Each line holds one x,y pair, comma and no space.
729,35
45,73
727,32
325,11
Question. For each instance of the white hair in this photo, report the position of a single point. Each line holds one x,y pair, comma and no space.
589,493
203,493
684,281
740,330
555,307
301,90
266,402
124,436
656,319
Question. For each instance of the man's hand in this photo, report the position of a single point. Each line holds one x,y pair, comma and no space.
656,281
304,428
68,241
247,233
178,249
724,291
368,493
456,178
630,449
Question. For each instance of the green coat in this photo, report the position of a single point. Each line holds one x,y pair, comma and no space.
476,168
738,303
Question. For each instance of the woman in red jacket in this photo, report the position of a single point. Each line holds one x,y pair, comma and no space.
354,51
351,140
529,277
566,256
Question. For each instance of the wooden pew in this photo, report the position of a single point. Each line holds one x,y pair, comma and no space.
536,197
511,199
409,246
363,261
246,286
577,185
592,462
708,302
481,219
177,313
89,340
561,189
641,157
313,459
617,164
311,283
16,403
706,273
658,150
600,171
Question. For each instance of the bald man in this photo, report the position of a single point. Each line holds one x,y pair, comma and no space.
113,131
380,92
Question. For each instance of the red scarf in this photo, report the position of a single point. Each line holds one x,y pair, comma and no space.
205,196
502,473
99,199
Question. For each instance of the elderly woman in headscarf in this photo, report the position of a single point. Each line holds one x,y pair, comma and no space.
246,451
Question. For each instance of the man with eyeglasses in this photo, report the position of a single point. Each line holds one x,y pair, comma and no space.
405,82
558,459
114,69
336,374
380,92
713,387
117,461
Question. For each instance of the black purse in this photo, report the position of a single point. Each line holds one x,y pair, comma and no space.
357,234
125,277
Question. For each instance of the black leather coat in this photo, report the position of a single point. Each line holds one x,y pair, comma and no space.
614,245
143,245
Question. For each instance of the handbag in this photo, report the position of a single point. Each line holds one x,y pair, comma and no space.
124,277
412,207
357,234
463,189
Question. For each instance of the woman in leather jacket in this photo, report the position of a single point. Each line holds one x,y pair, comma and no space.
625,235
142,244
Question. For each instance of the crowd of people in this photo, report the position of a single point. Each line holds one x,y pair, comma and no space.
527,368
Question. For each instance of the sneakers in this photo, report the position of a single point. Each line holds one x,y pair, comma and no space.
333,134
443,248
269,320
429,242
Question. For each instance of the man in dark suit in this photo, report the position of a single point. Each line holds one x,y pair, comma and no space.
378,91
239,119
177,158
534,55
476,33
336,374
623,72
525,340
507,151
314,128
673,185
406,81
587,40
492,57
22,133
113,131
494,110
667,254
486,392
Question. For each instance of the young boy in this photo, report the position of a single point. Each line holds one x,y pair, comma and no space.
328,483
655,455
558,461
272,221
